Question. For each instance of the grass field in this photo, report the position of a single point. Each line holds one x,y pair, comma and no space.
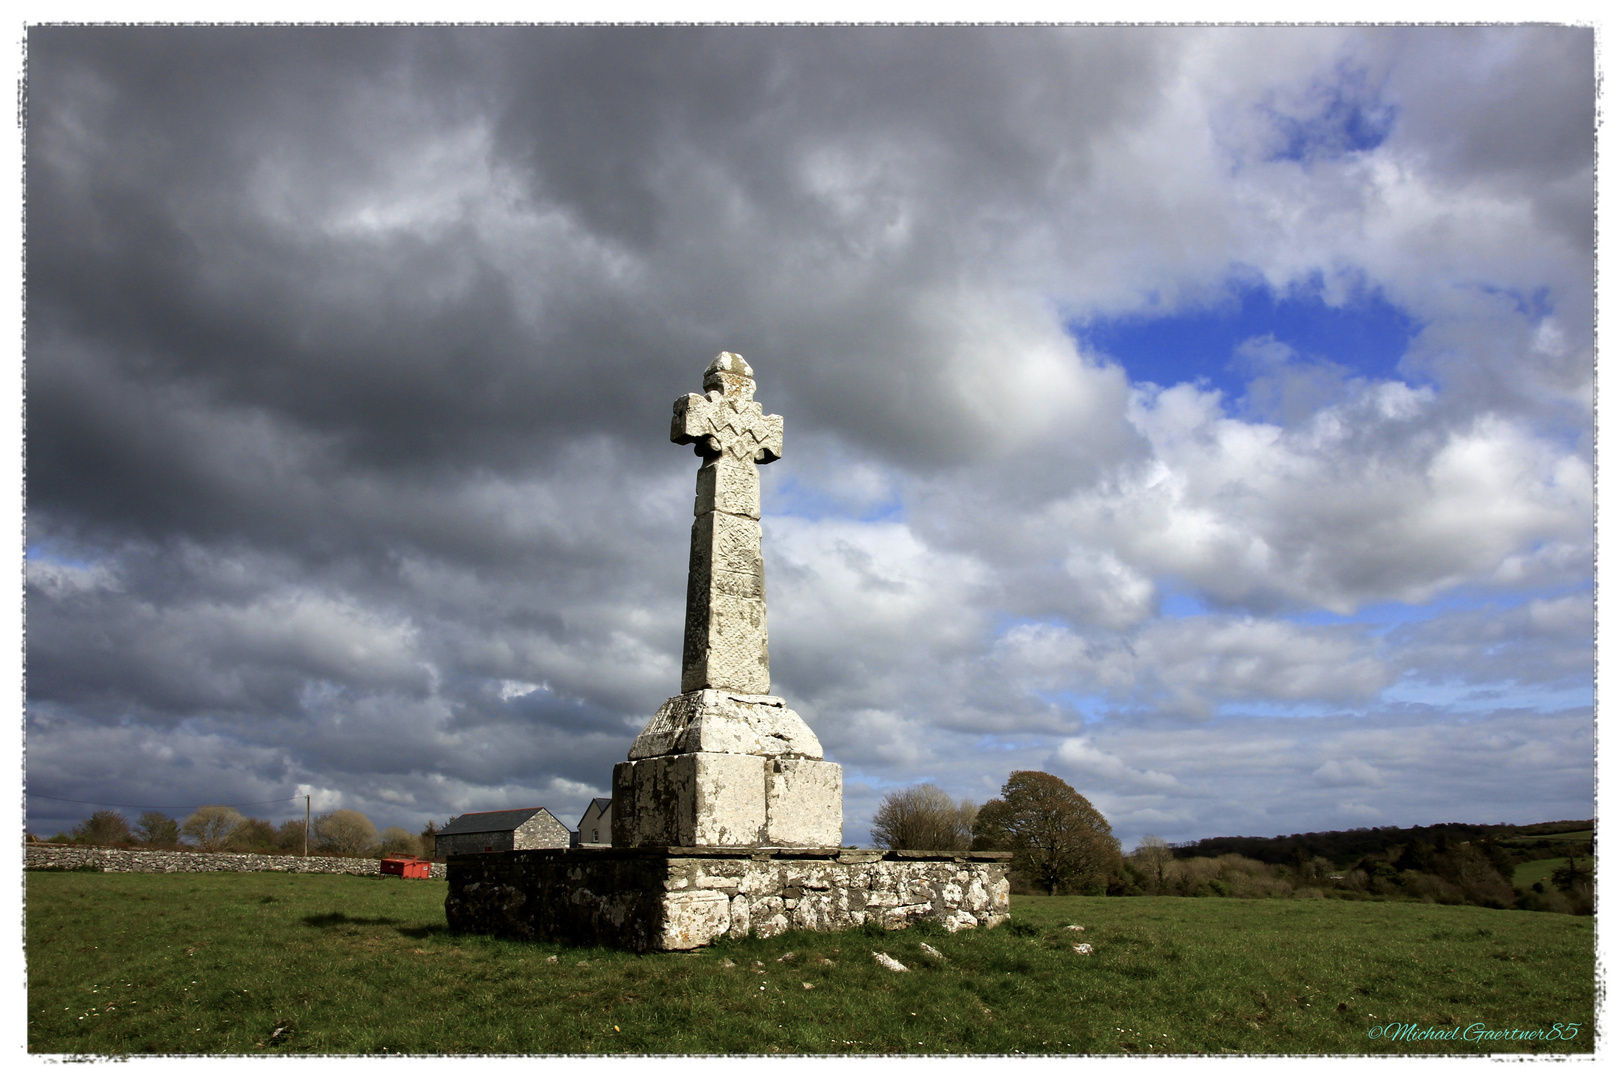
1538,838
274,964
1526,874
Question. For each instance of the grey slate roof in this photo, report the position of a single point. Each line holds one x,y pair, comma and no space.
493,821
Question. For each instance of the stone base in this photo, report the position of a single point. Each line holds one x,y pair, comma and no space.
726,722
684,898
727,800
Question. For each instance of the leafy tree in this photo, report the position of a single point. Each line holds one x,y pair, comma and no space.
209,827
1568,877
345,832
251,834
430,839
923,818
104,828
290,836
157,830
394,839
1418,855
1056,836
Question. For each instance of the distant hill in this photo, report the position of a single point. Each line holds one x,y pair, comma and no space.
1345,847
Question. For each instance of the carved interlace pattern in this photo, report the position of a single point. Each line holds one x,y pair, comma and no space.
726,642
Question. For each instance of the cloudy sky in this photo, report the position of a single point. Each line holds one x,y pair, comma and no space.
1201,415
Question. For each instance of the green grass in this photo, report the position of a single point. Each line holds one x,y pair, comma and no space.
1526,874
1531,840
279,964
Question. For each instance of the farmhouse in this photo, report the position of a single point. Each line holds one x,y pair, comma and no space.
501,830
596,827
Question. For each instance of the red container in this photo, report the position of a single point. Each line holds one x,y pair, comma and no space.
407,866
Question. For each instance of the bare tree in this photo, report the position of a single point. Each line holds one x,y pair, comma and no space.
209,827
1056,836
923,818
345,832
1153,857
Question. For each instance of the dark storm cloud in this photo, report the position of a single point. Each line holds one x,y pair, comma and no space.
350,355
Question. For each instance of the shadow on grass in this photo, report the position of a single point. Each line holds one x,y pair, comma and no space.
337,918
425,933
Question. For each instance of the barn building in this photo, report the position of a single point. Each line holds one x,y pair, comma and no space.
500,830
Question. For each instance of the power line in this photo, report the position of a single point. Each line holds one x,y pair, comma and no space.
175,806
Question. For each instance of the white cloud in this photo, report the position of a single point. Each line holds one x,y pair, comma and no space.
1188,665
1079,756
1351,773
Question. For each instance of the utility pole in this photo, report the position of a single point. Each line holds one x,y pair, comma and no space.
306,826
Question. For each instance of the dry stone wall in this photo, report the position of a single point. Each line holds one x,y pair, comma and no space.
125,860
684,898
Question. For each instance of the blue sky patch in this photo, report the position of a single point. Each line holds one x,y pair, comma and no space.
1368,336
1181,604
791,497
1470,698
1336,118
1387,615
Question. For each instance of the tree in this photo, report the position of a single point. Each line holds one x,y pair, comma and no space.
290,836
1153,856
210,826
923,818
345,832
397,839
157,830
104,828
1056,836
251,834
1567,877
430,840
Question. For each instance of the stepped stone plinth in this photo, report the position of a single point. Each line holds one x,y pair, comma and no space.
727,819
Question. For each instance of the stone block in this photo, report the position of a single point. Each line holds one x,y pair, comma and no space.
804,803
726,641
725,722
689,800
694,918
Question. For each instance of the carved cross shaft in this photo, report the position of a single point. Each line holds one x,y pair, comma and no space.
726,645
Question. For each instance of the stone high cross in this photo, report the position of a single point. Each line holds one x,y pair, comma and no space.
726,645
723,763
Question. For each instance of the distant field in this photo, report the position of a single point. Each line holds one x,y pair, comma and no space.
1583,834
275,964
1526,874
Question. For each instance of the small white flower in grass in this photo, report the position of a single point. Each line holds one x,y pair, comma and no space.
552,960
1072,926
929,950
1084,949
887,961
